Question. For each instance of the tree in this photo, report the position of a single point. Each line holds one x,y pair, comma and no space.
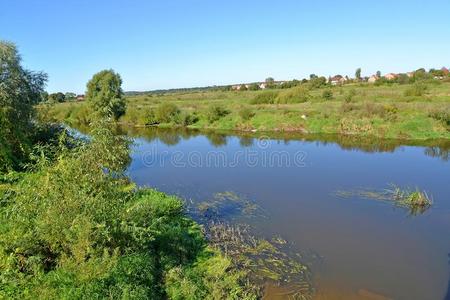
104,93
270,80
253,87
312,76
20,89
56,97
70,96
358,74
379,74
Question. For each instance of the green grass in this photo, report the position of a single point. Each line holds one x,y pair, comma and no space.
383,111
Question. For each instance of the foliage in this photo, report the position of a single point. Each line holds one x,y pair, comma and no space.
166,113
267,97
20,89
417,89
349,96
77,229
56,97
105,94
216,112
253,87
327,94
298,94
246,114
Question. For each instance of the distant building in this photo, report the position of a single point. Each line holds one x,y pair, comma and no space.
80,98
337,80
391,76
410,74
445,71
263,86
373,79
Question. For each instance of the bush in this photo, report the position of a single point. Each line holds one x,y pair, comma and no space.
167,112
349,96
295,95
216,112
246,114
327,94
417,89
442,115
265,98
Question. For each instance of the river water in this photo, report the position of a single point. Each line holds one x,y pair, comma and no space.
357,248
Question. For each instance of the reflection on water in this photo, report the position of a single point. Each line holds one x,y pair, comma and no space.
370,249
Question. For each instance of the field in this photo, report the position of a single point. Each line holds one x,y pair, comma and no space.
409,111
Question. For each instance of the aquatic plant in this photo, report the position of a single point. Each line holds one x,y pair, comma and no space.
415,200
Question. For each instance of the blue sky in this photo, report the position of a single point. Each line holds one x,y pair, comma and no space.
169,44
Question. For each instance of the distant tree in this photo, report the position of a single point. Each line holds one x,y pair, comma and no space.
20,89
318,82
243,87
312,76
270,80
70,96
105,94
56,97
358,74
379,74
254,87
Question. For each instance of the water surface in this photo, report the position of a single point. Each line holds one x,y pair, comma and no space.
362,248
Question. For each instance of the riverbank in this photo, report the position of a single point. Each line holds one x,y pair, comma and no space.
387,111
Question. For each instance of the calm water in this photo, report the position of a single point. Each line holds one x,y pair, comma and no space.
366,247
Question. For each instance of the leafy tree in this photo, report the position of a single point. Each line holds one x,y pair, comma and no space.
243,87
270,80
20,89
105,94
70,96
358,74
379,74
56,97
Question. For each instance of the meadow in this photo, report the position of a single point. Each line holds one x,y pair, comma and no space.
409,111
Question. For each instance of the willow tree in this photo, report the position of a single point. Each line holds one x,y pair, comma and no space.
20,89
104,93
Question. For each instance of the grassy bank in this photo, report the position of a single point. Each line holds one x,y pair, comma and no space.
410,111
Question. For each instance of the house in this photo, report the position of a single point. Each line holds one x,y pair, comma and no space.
410,74
373,79
338,79
263,86
391,76
80,97
445,71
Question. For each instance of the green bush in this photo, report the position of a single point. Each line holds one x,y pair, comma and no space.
297,94
417,89
349,96
442,115
327,94
167,112
246,114
216,112
267,97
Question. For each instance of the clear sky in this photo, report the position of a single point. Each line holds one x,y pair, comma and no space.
187,43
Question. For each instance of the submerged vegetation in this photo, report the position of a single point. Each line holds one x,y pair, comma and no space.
415,200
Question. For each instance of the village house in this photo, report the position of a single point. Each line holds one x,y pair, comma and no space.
80,98
337,80
373,79
445,71
410,74
263,86
391,76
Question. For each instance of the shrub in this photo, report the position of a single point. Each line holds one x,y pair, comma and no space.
417,89
187,119
349,96
216,112
442,115
167,112
327,94
295,95
246,114
265,98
